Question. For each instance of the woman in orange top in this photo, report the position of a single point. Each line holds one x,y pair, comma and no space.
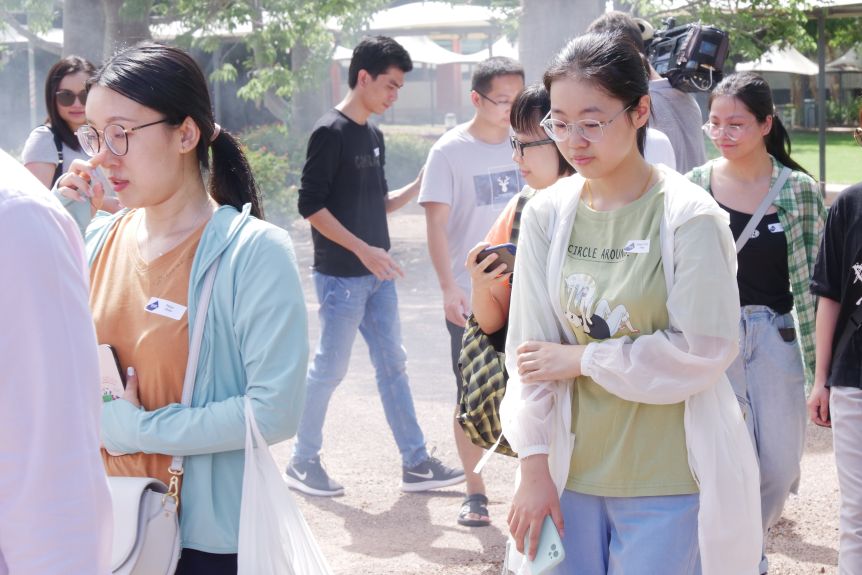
541,165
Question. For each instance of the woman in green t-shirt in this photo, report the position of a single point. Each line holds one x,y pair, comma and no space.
622,322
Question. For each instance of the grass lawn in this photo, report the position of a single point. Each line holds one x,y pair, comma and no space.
843,155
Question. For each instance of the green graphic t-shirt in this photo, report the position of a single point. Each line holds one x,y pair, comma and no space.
613,285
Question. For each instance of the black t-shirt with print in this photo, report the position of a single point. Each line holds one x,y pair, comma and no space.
343,173
838,276
762,274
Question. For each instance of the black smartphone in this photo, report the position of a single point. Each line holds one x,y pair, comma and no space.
505,255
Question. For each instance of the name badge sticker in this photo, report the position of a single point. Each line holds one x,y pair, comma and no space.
775,228
637,247
165,308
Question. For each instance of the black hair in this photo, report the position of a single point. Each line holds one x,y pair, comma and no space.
491,68
375,55
756,95
168,80
622,22
64,67
530,106
608,61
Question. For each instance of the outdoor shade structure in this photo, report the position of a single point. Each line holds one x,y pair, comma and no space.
776,59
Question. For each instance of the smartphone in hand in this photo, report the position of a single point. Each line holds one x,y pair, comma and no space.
111,386
549,551
505,254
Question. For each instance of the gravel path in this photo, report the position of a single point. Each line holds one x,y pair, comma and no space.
375,529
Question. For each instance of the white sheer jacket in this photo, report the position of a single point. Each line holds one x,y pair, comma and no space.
683,363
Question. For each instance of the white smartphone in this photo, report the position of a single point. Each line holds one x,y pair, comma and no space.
550,552
111,385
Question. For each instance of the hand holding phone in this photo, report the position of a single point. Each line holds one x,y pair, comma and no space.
505,255
549,551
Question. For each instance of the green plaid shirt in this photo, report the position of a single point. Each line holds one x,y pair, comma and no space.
802,214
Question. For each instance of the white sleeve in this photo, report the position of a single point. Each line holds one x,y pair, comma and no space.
54,503
527,409
668,366
438,180
658,149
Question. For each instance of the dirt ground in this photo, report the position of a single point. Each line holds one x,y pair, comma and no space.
374,529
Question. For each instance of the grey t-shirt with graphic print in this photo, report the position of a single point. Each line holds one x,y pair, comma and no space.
476,180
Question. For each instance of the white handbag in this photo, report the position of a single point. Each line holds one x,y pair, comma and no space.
146,531
146,526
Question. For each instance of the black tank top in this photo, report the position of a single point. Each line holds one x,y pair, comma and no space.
762,275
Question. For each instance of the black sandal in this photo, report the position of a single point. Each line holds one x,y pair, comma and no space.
475,504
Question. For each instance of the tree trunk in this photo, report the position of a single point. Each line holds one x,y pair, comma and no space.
125,26
310,100
83,29
547,25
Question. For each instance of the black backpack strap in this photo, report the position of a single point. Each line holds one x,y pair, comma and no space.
523,198
854,321
58,143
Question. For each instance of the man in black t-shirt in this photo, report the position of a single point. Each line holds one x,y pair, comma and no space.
345,198
836,399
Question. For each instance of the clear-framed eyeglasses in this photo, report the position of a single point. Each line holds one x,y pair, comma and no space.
590,130
115,136
732,131
520,146
857,135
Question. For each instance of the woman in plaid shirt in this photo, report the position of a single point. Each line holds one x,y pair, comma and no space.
776,346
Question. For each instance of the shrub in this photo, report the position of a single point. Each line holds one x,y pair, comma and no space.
405,156
277,172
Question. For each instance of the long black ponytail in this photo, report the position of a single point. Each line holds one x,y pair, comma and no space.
169,81
756,95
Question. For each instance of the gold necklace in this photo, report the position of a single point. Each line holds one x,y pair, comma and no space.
640,195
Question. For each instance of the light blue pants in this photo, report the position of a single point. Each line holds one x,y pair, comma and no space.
369,305
769,381
629,535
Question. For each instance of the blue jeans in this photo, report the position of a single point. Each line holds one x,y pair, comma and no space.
629,535
769,382
363,303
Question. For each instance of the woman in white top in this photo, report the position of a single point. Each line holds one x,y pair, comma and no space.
51,147
628,432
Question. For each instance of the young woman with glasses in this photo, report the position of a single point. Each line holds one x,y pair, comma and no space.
776,346
51,147
541,165
622,322
150,126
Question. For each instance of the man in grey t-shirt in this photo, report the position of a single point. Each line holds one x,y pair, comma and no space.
469,178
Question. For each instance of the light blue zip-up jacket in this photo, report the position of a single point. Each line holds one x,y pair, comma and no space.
255,344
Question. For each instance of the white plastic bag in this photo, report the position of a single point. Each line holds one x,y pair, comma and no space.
274,538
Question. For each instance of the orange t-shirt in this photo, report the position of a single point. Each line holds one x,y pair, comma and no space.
122,284
502,228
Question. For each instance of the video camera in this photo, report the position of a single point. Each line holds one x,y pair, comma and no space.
690,56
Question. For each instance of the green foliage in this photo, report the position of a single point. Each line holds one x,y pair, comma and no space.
277,164
40,13
843,114
405,156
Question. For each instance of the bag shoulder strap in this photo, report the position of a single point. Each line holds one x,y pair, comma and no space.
523,198
761,209
854,321
58,143
176,467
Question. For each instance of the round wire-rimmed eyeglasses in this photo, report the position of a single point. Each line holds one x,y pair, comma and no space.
115,136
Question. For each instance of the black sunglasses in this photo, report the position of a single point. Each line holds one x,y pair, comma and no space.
67,97
519,146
